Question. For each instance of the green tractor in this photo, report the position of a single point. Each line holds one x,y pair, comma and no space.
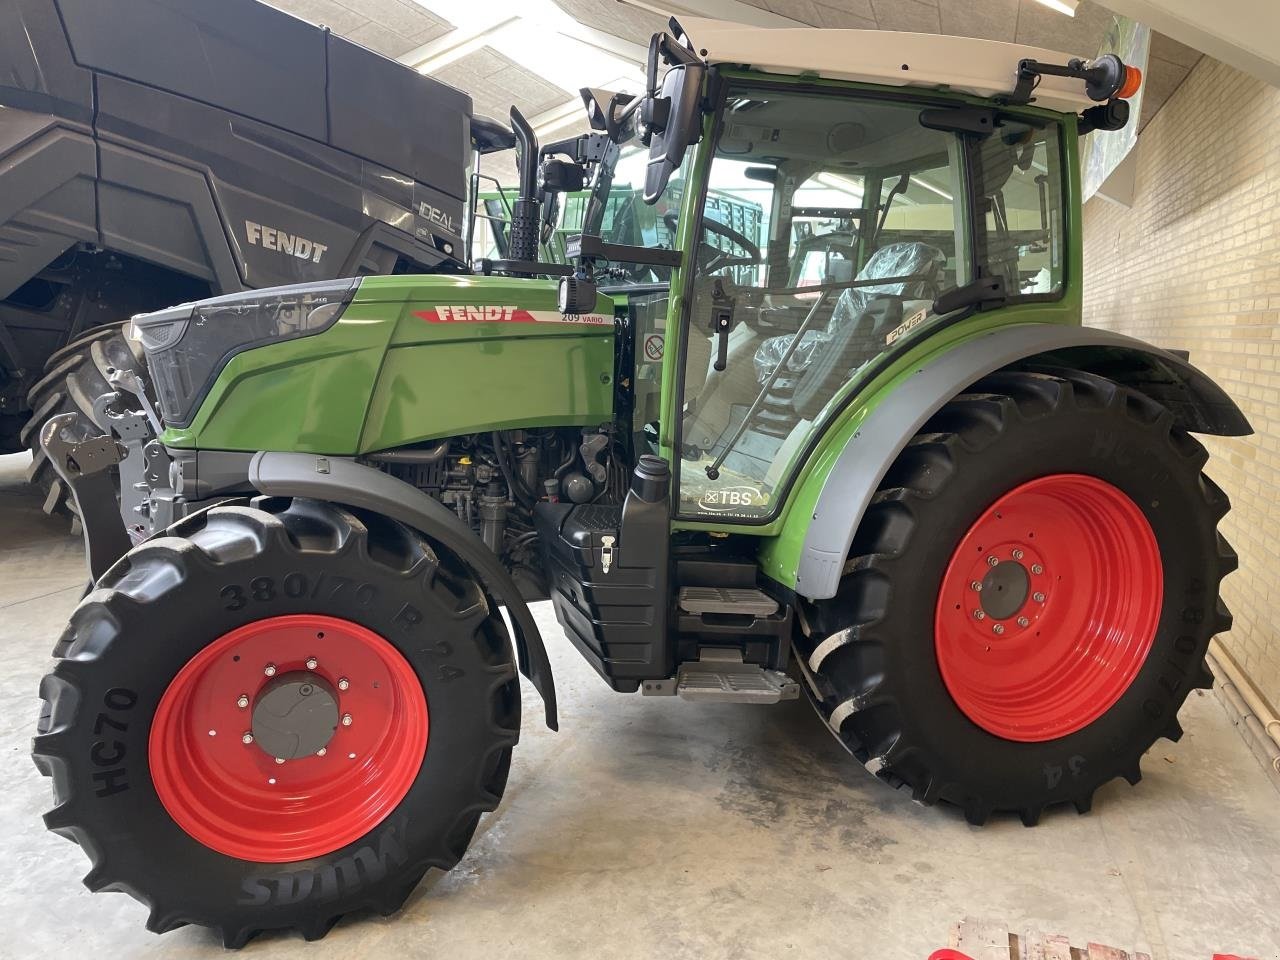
866,454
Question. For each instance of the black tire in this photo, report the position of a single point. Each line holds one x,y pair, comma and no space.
165,601
869,653
74,377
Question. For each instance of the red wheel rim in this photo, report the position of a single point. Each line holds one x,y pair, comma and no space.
1048,607
235,797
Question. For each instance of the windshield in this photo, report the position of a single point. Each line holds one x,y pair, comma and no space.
864,221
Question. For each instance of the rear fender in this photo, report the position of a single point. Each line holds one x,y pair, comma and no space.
344,481
1197,403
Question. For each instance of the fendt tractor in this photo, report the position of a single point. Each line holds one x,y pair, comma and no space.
868,455
157,152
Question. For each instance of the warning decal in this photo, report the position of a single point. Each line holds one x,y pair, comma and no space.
653,346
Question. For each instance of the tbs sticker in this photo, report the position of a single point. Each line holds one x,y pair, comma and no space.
729,499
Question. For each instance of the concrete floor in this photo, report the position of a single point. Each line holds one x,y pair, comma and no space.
657,827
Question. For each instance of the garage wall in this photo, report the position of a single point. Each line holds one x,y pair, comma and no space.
1195,264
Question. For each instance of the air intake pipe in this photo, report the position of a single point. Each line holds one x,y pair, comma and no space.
524,216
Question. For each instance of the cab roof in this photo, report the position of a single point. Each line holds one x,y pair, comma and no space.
985,68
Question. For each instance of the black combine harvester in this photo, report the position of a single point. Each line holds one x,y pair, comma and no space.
159,151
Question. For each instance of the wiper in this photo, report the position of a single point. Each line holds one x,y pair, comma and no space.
713,470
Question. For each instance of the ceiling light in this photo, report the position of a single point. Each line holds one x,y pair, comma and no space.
1062,6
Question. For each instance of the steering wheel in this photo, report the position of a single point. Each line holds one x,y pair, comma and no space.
720,259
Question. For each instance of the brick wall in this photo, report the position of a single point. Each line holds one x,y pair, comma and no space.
1195,264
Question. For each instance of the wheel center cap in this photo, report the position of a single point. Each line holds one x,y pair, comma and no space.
1005,589
295,715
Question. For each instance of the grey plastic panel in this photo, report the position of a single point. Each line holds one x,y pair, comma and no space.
284,198
37,71
164,213
372,114
46,194
239,55
861,466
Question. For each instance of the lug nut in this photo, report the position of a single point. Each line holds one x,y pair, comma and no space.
979,615
242,701
1024,622
992,561
997,628
976,586
344,683
279,759
269,669
1017,554
321,752
1037,569
247,738
346,719
312,663
1038,597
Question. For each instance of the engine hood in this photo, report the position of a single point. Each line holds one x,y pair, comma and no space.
411,359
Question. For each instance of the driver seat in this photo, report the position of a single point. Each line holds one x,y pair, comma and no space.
892,260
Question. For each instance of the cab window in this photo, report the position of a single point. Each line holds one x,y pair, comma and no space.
1021,217
862,223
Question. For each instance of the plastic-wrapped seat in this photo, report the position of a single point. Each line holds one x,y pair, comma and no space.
894,260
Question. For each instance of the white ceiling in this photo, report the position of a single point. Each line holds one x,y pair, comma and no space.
537,53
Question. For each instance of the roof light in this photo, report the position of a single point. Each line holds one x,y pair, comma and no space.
1132,83
1067,7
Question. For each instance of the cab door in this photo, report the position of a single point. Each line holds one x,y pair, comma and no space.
860,219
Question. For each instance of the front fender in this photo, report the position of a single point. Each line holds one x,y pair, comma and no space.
1198,404
281,474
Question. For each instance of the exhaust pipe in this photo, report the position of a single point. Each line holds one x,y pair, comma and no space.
525,225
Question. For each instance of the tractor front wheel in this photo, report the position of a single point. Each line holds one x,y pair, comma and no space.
275,715
1028,600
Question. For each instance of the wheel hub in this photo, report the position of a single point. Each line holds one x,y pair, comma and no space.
1005,589
295,715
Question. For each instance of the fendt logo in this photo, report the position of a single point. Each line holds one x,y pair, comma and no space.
505,313
484,313
272,239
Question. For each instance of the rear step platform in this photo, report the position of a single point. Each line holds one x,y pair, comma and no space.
721,676
743,600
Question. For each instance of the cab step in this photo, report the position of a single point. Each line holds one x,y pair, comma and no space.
721,676
741,600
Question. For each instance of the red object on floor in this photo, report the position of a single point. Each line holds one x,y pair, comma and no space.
946,953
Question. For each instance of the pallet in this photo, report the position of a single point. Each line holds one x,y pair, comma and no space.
992,940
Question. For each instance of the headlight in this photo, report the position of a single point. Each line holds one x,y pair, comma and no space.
187,346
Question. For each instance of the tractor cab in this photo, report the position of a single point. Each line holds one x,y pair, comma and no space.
821,221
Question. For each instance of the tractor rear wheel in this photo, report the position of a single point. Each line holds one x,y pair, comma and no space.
1028,600
275,715
74,378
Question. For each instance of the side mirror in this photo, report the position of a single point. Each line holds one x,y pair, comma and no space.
674,120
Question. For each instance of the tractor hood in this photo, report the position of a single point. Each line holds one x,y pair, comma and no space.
388,361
